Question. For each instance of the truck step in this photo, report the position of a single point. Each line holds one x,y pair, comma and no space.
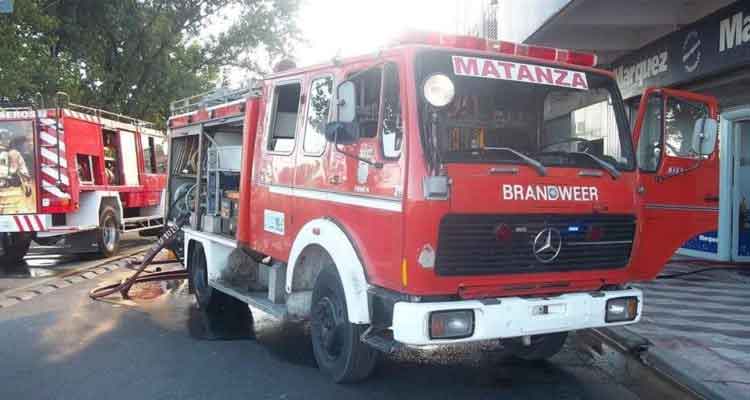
381,341
258,300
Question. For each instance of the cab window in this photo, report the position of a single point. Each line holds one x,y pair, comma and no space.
649,143
392,130
679,120
318,110
284,118
378,108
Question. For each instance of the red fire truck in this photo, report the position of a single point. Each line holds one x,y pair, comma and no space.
445,189
77,177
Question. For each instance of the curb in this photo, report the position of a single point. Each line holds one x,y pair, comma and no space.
78,275
669,365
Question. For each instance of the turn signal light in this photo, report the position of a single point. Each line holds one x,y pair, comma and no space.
621,309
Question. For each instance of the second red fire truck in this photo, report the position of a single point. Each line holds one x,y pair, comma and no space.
446,189
77,177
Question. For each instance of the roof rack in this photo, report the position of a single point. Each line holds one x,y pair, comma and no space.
14,109
99,113
212,98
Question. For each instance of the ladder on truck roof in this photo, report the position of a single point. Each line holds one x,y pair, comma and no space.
212,98
105,116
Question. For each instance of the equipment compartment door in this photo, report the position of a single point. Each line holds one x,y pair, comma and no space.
678,189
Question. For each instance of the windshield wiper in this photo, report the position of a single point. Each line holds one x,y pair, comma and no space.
605,165
528,160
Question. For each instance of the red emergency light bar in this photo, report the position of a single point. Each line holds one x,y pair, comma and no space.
499,46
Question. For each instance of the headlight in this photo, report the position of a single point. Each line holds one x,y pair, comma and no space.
439,90
451,324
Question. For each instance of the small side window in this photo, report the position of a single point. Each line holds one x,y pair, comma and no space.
318,110
159,149
148,154
284,118
391,122
649,143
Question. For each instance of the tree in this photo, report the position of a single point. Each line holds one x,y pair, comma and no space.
135,56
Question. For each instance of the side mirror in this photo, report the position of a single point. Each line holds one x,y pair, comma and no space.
704,136
347,101
342,133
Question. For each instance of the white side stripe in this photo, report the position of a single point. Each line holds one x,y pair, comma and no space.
341,198
55,190
52,173
51,140
53,157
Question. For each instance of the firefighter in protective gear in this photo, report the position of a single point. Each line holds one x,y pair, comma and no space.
13,169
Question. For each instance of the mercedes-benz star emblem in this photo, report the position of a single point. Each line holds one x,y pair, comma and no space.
547,245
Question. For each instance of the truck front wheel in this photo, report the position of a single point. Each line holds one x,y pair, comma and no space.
14,247
108,234
542,347
336,342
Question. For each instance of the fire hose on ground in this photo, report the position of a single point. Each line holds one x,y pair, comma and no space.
124,286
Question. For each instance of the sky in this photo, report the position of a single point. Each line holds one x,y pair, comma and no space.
351,27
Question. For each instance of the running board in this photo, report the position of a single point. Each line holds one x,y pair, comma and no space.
258,300
135,224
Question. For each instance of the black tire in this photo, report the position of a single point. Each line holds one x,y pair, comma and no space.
336,342
542,346
14,247
108,234
215,304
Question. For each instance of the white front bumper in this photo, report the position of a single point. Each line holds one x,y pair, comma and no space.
510,317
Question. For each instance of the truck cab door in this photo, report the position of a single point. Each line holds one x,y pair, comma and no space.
678,174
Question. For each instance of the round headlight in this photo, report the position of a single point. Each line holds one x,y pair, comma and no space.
439,90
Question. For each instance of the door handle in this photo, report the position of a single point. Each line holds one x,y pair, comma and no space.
711,198
334,180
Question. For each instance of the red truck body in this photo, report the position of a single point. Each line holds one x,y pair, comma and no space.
80,160
528,247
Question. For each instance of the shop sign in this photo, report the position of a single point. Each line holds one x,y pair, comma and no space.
718,42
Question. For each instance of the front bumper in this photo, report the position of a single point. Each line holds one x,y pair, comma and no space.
510,317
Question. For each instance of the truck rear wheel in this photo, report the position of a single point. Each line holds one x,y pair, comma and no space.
14,247
108,234
542,347
336,342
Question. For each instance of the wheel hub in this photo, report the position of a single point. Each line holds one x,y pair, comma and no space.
331,326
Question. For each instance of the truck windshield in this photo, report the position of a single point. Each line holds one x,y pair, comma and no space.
556,116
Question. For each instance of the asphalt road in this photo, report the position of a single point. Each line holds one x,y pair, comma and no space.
62,345
43,262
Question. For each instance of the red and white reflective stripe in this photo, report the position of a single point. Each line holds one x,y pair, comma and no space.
54,164
29,223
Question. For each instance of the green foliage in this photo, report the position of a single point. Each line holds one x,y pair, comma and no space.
135,56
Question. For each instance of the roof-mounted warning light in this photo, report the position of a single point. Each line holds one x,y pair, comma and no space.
498,46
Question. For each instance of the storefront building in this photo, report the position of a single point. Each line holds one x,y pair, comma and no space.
701,46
